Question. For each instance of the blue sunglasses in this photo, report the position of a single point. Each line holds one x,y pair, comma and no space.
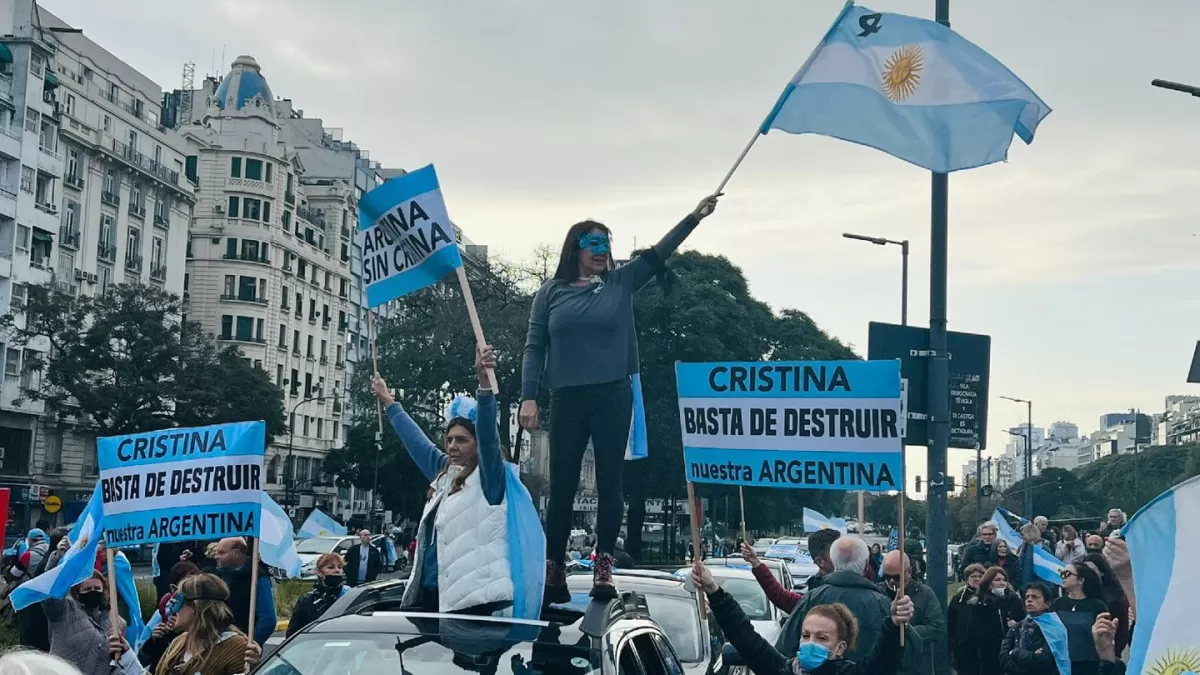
595,242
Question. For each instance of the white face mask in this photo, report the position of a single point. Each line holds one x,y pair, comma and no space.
998,592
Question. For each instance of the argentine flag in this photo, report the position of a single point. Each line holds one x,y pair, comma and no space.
276,545
638,446
1055,634
1164,545
910,87
320,525
814,521
76,565
1046,566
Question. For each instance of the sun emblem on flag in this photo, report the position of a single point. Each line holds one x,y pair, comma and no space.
1176,661
902,72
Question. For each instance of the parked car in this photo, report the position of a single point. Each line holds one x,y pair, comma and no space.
760,545
795,551
314,547
778,567
767,619
603,639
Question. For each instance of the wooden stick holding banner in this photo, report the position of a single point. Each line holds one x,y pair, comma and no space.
114,614
253,593
473,313
375,365
694,513
742,506
900,530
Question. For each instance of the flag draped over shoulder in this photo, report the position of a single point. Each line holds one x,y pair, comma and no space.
912,88
1046,566
127,589
1055,634
1164,545
76,565
815,521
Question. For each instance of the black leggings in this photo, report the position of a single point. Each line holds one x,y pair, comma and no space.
603,413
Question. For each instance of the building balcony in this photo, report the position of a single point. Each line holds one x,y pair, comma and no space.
106,251
289,198
133,263
144,164
246,257
158,272
312,216
224,337
324,360
251,185
162,221
137,210
73,181
229,297
68,238
45,217
110,198
10,142
339,364
49,161
66,287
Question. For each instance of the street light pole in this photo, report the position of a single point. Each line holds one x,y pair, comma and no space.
1028,453
289,465
1175,86
903,244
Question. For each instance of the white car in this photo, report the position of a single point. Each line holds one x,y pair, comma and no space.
795,551
762,544
766,618
314,547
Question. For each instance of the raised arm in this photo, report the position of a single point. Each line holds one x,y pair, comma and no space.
429,459
653,261
487,431
537,341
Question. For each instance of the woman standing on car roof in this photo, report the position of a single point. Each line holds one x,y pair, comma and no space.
480,546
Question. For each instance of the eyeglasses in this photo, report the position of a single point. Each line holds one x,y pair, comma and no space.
891,578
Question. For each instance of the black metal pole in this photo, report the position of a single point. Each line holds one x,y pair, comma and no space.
979,484
904,283
1029,460
937,523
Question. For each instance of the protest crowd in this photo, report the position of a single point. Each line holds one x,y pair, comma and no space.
1033,600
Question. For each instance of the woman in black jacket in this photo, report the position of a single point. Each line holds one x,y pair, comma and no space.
993,610
1007,559
828,632
1025,650
957,615
1079,608
330,585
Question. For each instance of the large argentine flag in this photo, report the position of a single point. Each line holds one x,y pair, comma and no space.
1164,545
815,521
910,87
77,563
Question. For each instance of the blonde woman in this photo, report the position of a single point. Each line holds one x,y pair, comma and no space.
209,645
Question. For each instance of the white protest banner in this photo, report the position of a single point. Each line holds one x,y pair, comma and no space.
824,425
180,484
407,239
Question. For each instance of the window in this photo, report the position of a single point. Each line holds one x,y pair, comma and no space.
343,287
133,141
308,388
66,264
282,337
283,298
156,252
278,383
295,386
270,166
230,280
32,119
266,211
251,208
23,235
325,314
12,362
135,193
299,305
247,287
233,207
324,348
106,230
27,179
114,93
245,328
37,63
133,243
107,123
262,289
320,428
336,433
312,308
327,280
250,249
254,169
307,419
111,181
71,216
338,351
157,153
187,279
309,351
189,247
190,168
258,335
226,326
74,170
235,167
231,247
105,274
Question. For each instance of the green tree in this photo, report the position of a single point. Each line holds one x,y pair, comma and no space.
126,362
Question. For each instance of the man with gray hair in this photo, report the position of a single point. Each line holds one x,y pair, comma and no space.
847,585
621,559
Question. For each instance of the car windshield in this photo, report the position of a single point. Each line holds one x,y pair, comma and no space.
749,595
680,620
317,544
472,651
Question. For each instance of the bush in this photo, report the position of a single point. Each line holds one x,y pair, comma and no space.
286,595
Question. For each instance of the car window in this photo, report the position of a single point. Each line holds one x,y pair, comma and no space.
627,661
668,657
680,620
653,663
749,595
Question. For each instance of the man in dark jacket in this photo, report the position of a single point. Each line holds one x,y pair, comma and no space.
363,561
928,625
819,543
847,585
979,551
624,561
233,566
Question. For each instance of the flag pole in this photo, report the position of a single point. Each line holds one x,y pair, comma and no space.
900,531
114,614
742,505
766,124
378,408
473,313
694,513
253,590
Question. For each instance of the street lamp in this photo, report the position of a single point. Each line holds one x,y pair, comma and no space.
1028,453
880,241
289,465
1175,86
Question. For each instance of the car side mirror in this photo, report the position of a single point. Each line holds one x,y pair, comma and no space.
730,656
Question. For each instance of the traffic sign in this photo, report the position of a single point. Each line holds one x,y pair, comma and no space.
53,504
970,363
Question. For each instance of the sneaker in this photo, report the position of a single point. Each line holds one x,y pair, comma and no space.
556,584
602,583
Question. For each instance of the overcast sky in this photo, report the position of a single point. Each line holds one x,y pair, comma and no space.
1079,256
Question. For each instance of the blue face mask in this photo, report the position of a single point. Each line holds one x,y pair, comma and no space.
812,655
595,242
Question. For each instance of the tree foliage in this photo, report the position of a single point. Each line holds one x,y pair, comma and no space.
125,362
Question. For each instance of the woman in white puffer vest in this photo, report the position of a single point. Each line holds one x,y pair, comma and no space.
479,532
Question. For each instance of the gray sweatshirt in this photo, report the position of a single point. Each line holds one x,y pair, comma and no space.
586,335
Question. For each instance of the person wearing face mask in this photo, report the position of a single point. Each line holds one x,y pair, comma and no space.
993,610
828,633
928,625
1094,544
330,585
80,626
582,346
482,549
1025,650
957,614
208,644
